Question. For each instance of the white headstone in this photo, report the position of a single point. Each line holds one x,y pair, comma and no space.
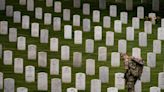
76,3
135,23
153,17
140,12
129,5
25,22
49,3
66,74
115,59
44,34
47,18
113,10
9,11
22,2
89,46
80,82
117,26
30,73
35,29
38,13
32,52
7,57
56,23
157,44
72,89
124,17
160,33
66,14
112,89
42,82
122,46
1,50
136,52
96,16
142,39
119,81
9,85
95,85
42,59
86,8
77,59
102,53
54,44
21,43
155,89
56,85
148,27
12,34
30,5
18,65
102,4
86,25
109,38
78,36
146,76
17,17
4,27
138,86
106,22
67,32
2,4
54,66
155,5
151,59
22,89
162,22
161,80
104,74
1,80
57,6
76,20
97,33
65,52
90,67
130,33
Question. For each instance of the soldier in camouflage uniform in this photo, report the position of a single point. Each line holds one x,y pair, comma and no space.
133,67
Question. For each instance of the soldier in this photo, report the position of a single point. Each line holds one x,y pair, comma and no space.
133,67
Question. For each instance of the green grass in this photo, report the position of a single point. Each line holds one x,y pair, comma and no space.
32,87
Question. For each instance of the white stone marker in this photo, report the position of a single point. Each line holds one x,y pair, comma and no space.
17,17
22,2
66,14
78,36
18,65
119,81
122,46
90,67
124,17
22,89
21,43
30,73
151,59
49,3
86,8
38,13
2,4
129,5
153,17
76,3
89,46
72,89
162,22
25,22
104,74
30,5
56,85
7,57
35,29
155,89
42,59
32,52
44,34
4,27
65,52
97,33
9,85
1,80
112,89
157,46
115,59
155,5
96,16
113,10
102,53
80,81
54,66
1,50
66,74
135,23
47,18
130,33
9,11
12,34
146,76
142,39
160,33
140,12
77,59
68,32
161,80
86,25
42,82
109,38
76,20
106,22
148,27
56,23
117,26
54,44
95,85
57,7
136,52
138,86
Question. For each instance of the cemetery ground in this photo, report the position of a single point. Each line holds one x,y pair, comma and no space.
8,70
